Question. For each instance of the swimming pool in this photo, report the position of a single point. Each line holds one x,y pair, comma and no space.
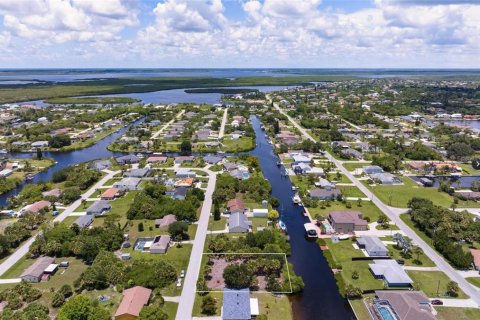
385,313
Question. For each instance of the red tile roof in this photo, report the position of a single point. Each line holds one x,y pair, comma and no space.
476,257
110,193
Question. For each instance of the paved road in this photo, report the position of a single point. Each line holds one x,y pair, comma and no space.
156,134
23,249
187,297
393,214
221,133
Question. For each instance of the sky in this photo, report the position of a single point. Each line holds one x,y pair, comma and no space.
240,33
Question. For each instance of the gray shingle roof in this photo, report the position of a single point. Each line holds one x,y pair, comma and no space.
236,304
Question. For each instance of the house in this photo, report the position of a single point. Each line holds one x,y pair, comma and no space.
179,193
160,244
156,159
52,193
34,273
300,158
182,159
324,194
229,166
476,258
98,208
128,159
238,222
185,173
303,168
467,195
237,305
347,221
372,169
165,221
391,272
111,194
235,205
133,301
38,206
100,165
352,153
39,144
324,183
127,184
137,173
385,178
407,305
187,182
84,221
202,134
373,246
212,159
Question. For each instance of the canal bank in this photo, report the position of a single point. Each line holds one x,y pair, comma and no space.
69,158
320,298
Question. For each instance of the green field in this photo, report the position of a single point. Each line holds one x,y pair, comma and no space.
446,313
44,91
423,260
433,283
368,209
474,280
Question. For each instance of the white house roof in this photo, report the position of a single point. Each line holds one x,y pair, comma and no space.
391,271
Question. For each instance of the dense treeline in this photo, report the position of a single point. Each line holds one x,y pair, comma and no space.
19,231
227,187
446,228
152,203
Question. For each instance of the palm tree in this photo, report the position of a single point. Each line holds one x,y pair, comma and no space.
417,252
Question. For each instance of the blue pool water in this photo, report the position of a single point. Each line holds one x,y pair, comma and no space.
385,313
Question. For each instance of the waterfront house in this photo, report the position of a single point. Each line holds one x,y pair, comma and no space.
406,305
98,208
128,159
391,272
137,173
133,301
372,169
347,221
156,159
52,193
36,207
237,305
185,173
385,178
235,205
238,223
373,246
183,159
325,194
100,165
39,144
212,159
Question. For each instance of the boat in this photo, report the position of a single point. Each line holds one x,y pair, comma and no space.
3,151
262,127
29,177
311,230
279,163
456,174
140,156
282,225
294,188
296,199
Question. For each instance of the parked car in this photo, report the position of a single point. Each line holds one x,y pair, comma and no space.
182,274
401,261
437,302
179,282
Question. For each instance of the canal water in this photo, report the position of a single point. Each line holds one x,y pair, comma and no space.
320,298
65,159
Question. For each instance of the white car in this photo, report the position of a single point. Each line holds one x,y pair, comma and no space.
182,274
179,282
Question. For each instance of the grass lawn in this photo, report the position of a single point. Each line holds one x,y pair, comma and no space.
352,166
474,280
111,181
446,313
242,144
274,306
398,196
432,282
368,209
351,191
342,254
259,222
468,169
197,305
170,309
177,256
334,177
149,229
84,206
424,261
217,225
360,309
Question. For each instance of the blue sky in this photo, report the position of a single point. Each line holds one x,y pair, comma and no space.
240,33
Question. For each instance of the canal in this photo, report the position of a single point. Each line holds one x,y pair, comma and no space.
65,159
320,298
